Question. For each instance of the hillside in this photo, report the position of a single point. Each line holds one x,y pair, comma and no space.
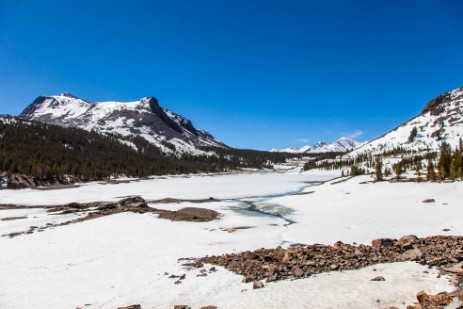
427,147
441,120
62,154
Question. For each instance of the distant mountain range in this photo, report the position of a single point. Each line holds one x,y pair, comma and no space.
170,132
441,120
343,144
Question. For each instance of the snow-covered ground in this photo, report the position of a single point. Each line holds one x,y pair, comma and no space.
359,211
179,187
123,259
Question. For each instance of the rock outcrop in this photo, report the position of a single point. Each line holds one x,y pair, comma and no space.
304,261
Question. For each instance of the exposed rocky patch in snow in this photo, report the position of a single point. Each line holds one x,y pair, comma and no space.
303,261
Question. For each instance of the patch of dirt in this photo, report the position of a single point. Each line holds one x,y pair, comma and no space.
344,179
13,218
234,229
14,206
135,204
189,214
303,193
58,187
177,201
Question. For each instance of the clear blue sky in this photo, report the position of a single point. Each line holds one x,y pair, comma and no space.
256,74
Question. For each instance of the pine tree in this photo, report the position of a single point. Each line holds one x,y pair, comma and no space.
398,169
445,158
430,173
412,135
378,168
453,170
387,172
418,167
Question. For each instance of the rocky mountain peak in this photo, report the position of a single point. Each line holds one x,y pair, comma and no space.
153,105
144,118
437,105
68,95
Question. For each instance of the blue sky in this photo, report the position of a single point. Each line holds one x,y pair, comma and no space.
256,74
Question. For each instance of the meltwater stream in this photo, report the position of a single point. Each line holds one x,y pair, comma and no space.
259,205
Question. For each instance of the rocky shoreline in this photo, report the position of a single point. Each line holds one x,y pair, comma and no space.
303,261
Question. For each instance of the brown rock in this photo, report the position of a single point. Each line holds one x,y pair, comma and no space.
422,297
297,272
412,255
279,264
182,307
258,285
273,269
131,307
406,242
382,242
379,278
429,200
286,257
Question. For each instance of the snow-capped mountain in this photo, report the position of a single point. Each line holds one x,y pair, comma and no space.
440,121
144,118
343,144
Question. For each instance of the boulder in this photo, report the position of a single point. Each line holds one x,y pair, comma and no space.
258,285
297,272
134,201
382,242
412,255
406,242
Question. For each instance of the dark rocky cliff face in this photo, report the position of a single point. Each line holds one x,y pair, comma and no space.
437,105
29,110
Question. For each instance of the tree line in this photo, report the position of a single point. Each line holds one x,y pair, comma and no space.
51,152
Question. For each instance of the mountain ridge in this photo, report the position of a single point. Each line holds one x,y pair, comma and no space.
441,120
145,118
344,144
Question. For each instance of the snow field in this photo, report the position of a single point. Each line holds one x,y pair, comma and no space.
122,259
